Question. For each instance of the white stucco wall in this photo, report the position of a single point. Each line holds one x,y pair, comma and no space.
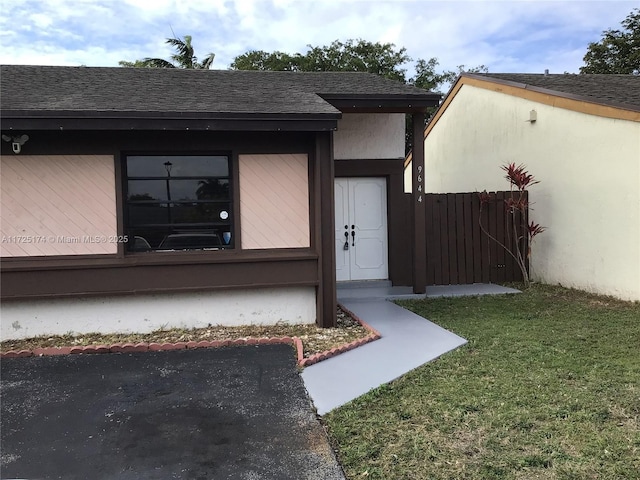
369,135
146,313
589,191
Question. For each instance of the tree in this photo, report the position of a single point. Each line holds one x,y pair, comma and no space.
351,56
183,58
618,51
359,56
383,59
426,76
261,60
429,79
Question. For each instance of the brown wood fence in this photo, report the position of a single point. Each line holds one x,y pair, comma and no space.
458,252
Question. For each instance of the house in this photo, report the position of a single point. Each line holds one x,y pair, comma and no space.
134,199
579,135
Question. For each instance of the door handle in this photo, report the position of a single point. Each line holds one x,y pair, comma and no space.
353,238
346,241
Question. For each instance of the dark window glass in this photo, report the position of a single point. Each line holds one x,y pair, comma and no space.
148,214
179,166
180,190
147,190
178,202
198,212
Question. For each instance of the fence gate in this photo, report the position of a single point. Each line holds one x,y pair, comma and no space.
458,252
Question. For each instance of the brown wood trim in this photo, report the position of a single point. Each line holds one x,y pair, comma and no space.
168,115
68,142
368,167
418,209
384,103
327,306
316,227
119,184
64,262
407,159
156,277
297,123
235,201
314,203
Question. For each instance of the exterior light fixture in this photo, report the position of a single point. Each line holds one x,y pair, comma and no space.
16,142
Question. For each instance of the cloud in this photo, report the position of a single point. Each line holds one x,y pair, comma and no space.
503,35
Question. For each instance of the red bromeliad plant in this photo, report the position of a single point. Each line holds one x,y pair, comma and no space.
516,206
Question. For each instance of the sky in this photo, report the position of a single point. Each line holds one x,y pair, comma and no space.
506,36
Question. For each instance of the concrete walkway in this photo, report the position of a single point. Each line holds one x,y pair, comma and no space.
408,341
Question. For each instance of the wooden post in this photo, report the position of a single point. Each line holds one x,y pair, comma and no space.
326,302
418,209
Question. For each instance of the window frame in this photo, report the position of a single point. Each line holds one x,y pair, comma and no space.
171,226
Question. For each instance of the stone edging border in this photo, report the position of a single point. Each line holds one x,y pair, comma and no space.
296,342
318,357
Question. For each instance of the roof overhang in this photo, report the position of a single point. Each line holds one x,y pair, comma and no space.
68,120
546,91
383,104
554,98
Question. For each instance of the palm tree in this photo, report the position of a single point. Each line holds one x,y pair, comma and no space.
183,58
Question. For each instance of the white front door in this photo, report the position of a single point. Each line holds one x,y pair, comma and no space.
361,229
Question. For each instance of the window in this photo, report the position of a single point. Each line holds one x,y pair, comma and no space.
178,202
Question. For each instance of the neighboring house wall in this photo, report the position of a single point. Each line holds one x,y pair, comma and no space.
274,201
146,313
57,205
367,135
589,191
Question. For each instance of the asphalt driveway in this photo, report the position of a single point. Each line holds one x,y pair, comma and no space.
234,412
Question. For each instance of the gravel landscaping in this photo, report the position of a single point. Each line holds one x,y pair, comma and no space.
314,339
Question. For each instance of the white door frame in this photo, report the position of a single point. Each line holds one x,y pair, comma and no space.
361,207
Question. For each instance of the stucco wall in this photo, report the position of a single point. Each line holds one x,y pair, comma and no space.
274,201
57,205
146,313
589,169
369,135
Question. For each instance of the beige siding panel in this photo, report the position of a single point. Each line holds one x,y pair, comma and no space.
57,205
274,201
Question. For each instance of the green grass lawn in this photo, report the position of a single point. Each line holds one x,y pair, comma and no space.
547,387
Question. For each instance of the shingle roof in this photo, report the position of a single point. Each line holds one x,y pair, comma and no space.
146,90
608,89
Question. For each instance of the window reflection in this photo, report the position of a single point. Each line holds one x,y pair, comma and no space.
178,202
